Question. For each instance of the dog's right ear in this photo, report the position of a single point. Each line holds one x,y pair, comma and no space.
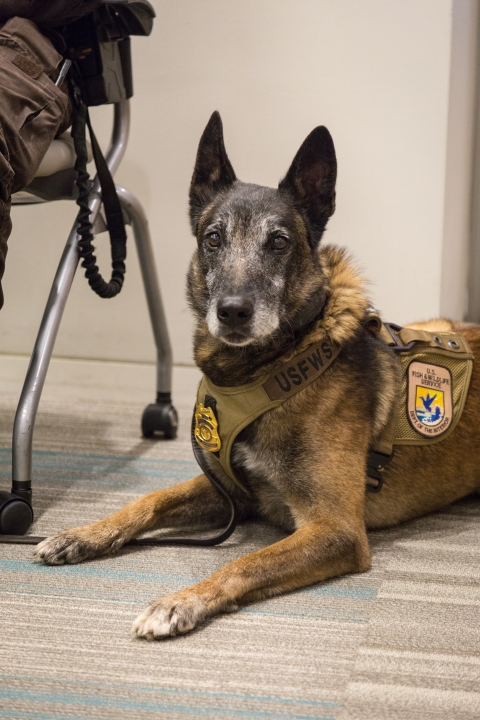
213,171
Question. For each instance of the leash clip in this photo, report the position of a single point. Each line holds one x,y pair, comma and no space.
375,465
398,346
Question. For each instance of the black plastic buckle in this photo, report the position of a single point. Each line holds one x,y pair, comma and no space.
398,347
376,463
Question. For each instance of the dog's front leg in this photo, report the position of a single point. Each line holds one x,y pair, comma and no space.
193,503
321,549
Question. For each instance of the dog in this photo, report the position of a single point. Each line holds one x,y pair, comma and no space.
258,265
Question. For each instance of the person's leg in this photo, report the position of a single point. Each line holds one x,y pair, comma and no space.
6,174
32,109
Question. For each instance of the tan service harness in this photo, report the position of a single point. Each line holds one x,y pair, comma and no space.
436,370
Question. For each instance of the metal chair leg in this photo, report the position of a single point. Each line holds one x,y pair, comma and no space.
16,513
16,507
37,371
159,417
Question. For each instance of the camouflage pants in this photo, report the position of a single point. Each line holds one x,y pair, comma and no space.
32,111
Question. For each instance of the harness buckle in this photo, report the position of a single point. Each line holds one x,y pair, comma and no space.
376,463
392,329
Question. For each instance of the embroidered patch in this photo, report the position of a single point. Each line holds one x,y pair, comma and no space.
206,429
429,398
28,66
301,370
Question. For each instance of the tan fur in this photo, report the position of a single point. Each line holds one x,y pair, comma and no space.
319,497
347,298
438,325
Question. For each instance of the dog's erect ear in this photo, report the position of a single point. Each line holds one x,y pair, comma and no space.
310,181
213,171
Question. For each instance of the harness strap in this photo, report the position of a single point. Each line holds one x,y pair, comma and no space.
402,339
233,408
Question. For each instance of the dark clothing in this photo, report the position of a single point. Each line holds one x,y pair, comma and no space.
32,109
47,12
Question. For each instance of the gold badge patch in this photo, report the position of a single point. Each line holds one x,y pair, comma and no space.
429,399
206,429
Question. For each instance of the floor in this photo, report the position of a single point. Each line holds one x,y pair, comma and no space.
401,641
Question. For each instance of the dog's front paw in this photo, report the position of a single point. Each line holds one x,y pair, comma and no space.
73,546
171,615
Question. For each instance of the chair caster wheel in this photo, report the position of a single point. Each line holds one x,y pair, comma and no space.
16,514
160,418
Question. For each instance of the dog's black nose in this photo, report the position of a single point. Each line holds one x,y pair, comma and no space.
234,311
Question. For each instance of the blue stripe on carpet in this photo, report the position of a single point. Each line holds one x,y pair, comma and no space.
91,466
132,705
175,691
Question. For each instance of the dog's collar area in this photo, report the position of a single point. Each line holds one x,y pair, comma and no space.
312,311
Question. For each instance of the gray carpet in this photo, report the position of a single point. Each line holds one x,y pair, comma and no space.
401,641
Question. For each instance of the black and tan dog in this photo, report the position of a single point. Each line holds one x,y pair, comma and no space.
257,267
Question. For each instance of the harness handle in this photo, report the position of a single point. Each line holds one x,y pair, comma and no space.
392,330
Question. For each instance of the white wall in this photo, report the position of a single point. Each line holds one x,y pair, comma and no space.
375,72
457,250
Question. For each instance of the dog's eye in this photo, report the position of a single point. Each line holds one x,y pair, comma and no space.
279,243
213,240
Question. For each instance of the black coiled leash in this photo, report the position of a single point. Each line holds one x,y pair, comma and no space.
196,541
111,204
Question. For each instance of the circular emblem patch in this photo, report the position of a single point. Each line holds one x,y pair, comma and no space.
429,398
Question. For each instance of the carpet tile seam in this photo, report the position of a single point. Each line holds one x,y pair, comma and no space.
410,655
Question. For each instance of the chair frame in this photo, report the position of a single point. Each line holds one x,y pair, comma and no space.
22,442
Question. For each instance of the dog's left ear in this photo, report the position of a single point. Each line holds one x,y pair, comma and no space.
310,181
213,171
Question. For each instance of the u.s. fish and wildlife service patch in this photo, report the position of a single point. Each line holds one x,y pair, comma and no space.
429,398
